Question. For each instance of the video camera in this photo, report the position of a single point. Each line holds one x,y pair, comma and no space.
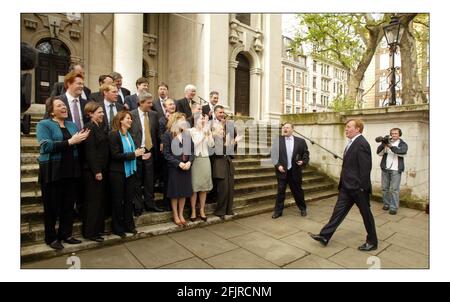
385,140
28,61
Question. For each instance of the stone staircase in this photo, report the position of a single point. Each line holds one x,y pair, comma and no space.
255,192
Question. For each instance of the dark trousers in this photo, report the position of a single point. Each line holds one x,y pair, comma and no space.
94,205
59,200
146,184
123,191
345,202
296,190
225,191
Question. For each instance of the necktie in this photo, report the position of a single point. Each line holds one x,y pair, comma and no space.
148,138
162,106
111,115
76,114
346,147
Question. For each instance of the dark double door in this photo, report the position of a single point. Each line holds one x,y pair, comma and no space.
242,86
50,67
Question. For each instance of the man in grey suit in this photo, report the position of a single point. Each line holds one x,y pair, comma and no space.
145,133
132,101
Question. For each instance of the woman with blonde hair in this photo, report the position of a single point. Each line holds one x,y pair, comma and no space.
122,174
178,152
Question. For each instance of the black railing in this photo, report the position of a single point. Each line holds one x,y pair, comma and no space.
314,143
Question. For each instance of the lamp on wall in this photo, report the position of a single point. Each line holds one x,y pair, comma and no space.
393,33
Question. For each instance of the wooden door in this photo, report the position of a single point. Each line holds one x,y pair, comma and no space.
242,86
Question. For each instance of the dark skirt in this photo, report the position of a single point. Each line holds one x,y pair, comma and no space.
179,183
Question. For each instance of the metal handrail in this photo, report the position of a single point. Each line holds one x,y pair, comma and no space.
314,143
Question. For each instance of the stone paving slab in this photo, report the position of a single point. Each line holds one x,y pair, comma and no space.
203,243
158,251
354,240
352,258
405,257
273,250
417,223
303,241
229,229
313,261
408,230
272,227
191,263
409,242
301,223
239,258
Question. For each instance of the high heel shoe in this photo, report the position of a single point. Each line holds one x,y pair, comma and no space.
193,219
204,218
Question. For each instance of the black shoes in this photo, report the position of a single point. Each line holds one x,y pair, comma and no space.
393,212
133,231
97,239
56,245
303,212
121,235
72,240
204,218
154,209
368,247
385,208
277,215
321,239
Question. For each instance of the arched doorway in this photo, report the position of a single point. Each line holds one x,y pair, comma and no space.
242,86
53,64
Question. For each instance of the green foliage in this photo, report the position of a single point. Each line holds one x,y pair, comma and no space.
341,103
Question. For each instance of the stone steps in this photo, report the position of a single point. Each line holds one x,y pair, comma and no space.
39,250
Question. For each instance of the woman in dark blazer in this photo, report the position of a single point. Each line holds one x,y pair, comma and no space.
179,154
96,154
122,174
58,171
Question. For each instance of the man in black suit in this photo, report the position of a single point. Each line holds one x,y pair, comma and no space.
289,155
209,108
184,105
123,92
110,105
158,103
98,96
59,88
354,187
145,133
132,101
73,81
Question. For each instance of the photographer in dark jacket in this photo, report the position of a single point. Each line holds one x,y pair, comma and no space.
392,166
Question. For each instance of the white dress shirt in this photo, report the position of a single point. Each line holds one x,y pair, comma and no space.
143,125
289,140
350,143
107,106
75,106
121,95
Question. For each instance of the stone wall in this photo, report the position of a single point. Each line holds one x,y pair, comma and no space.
327,129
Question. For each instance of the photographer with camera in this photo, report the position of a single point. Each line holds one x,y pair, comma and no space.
392,149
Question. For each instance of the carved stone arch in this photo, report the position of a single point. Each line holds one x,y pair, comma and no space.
74,55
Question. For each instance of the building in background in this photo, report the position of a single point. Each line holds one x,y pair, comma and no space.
237,55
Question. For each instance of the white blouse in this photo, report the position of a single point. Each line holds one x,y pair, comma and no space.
201,142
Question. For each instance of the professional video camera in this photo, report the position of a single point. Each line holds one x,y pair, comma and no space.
28,61
385,140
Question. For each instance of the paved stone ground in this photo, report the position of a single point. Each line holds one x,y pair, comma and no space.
261,242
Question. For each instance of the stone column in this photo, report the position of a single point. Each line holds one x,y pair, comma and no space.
255,93
229,103
127,48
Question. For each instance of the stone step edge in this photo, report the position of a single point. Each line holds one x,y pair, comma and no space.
28,253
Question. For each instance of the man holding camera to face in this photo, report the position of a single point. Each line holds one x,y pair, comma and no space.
392,149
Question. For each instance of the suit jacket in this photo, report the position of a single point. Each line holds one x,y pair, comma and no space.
83,103
299,152
136,128
356,167
96,149
158,108
206,110
96,97
117,154
132,101
106,125
184,106
173,160
125,93
58,89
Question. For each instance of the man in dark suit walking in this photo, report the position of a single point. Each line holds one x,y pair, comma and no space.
59,88
145,133
289,155
184,105
354,187
123,92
